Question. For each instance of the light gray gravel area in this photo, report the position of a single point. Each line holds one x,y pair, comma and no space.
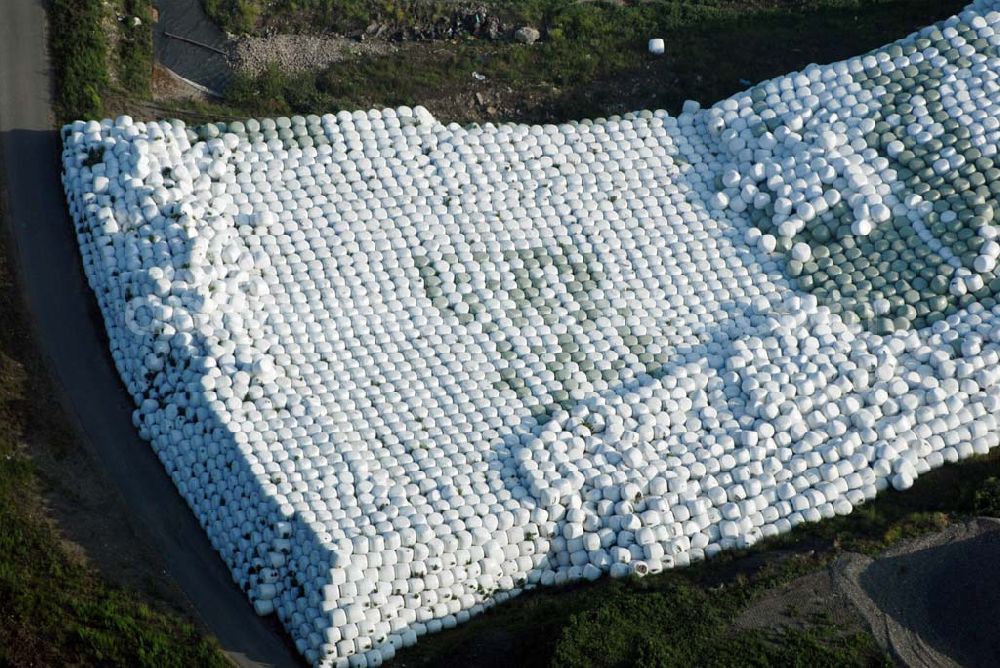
299,53
934,601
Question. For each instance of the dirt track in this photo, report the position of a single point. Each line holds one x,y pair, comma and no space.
73,347
934,601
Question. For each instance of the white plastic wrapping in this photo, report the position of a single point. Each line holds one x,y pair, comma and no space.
404,370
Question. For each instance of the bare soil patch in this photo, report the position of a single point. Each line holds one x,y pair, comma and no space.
169,87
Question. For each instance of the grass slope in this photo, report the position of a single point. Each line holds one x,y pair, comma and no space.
592,60
99,52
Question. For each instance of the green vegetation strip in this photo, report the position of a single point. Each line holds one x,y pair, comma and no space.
78,50
135,48
94,64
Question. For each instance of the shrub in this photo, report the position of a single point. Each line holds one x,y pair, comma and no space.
79,54
987,498
235,16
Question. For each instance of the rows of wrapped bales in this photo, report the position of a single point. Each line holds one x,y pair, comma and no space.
403,370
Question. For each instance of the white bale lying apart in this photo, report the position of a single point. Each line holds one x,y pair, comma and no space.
403,370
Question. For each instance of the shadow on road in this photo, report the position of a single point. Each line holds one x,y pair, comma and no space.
68,332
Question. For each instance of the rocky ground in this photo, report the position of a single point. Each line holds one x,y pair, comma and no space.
299,53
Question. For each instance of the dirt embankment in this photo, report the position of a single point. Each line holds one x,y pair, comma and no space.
934,601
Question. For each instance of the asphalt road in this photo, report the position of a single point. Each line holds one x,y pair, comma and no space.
71,340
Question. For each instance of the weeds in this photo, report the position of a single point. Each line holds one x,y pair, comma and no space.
87,68
592,60
987,497
78,50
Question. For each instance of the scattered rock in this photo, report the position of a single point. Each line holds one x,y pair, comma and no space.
475,21
526,35
493,27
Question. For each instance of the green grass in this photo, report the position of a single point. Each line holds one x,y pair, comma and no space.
94,64
683,624
236,16
135,48
593,61
57,612
78,49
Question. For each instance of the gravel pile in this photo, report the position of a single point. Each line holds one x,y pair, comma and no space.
298,53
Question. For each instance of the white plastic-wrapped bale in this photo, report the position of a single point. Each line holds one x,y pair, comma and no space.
403,370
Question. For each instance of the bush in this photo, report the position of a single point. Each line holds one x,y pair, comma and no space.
79,55
235,16
987,498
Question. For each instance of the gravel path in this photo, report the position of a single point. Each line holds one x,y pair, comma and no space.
934,601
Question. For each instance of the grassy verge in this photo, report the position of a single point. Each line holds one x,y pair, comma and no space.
593,61
99,51
677,622
134,57
78,49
